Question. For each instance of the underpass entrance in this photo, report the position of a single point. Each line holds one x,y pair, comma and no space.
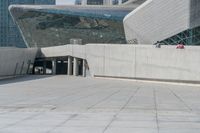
60,66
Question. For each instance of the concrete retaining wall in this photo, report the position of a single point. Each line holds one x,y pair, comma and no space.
145,62
64,50
168,63
135,61
123,61
15,61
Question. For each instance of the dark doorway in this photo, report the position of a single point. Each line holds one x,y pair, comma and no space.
80,67
42,67
61,67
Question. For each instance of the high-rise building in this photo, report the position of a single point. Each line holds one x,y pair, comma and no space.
9,33
78,2
98,2
123,1
44,2
95,2
89,2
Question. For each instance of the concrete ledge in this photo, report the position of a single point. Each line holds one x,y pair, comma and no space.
7,77
151,79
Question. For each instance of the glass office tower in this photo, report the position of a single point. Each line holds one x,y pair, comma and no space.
90,2
44,2
98,2
123,1
95,2
9,33
78,2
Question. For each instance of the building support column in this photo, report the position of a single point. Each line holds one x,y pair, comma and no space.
54,66
44,67
84,2
69,65
75,69
84,68
120,2
107,2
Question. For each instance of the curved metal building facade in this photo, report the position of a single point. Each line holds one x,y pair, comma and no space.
44,26
171,22
9,33
140,22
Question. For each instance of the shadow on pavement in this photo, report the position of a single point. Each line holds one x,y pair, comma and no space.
23,79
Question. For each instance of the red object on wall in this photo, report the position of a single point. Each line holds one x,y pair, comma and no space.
180,46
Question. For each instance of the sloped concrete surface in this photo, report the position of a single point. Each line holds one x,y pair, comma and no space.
61,104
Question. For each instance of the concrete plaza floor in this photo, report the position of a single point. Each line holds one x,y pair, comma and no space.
62,104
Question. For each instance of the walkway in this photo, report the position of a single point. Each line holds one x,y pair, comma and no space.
61,104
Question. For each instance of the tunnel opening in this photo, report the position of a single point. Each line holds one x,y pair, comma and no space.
60,66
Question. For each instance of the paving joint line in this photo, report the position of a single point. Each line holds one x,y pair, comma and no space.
62,123
86,96
115,116
190,109
103,99
156,109
25,119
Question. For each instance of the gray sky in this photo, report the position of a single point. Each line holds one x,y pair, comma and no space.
61,2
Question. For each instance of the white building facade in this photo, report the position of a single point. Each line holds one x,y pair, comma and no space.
171,22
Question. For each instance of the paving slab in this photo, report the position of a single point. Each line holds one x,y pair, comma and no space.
67,104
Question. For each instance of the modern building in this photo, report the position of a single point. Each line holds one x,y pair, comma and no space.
44,26
44,2
99,2
139,22
95,2
9,33
170,22
51,29
90,2
78,2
